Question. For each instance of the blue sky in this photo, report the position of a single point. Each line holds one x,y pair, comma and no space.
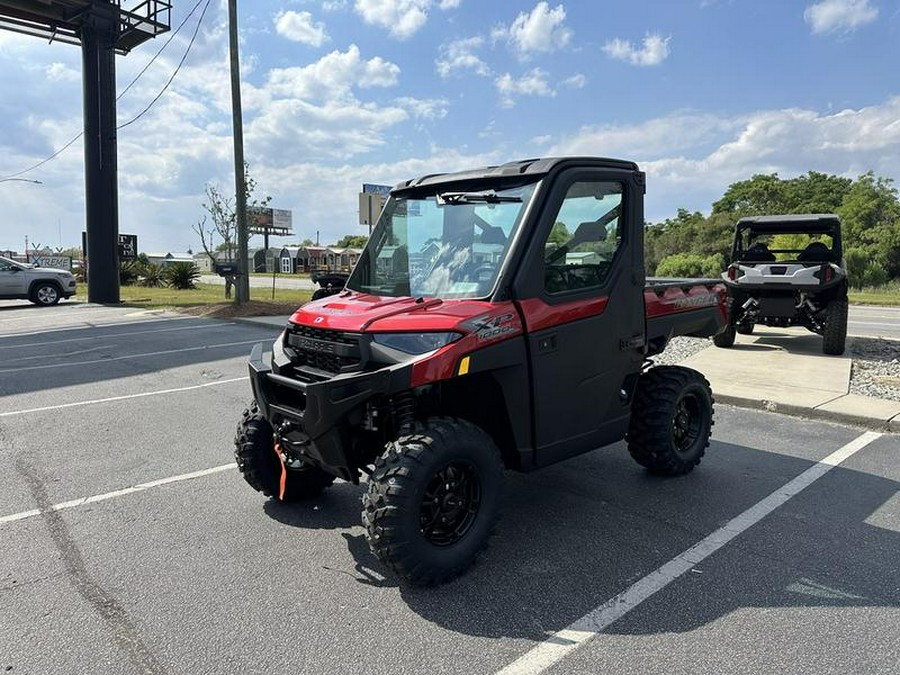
700,92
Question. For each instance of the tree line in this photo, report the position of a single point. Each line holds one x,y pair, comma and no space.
694,245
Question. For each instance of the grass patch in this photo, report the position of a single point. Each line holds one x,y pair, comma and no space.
209,300
886,295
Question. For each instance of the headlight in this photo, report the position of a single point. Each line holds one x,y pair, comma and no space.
415,343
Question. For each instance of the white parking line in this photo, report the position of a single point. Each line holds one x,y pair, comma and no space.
124,397
110,337
564,642
129,356
116,493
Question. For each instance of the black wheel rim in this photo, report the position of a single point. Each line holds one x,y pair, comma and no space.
450,503
687,422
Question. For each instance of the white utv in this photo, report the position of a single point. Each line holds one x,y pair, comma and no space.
802,282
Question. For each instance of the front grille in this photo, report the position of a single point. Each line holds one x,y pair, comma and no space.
323,350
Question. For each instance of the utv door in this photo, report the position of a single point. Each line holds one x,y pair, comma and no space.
584,313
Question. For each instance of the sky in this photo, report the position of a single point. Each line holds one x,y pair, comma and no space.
701,93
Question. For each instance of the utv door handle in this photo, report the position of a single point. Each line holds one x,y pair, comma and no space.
547,344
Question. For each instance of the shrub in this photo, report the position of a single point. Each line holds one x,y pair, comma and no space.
181,275
690,265
128,273
152,276
862,269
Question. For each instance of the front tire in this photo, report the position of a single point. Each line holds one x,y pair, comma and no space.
745,328
671,420
835,334
433,500
45,294
254,452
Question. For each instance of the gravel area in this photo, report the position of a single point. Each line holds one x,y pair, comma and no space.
681,348
875,371
876,367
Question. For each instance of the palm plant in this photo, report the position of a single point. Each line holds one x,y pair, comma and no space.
181,275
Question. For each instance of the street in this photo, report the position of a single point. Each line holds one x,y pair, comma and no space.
874,321
132,545
864,320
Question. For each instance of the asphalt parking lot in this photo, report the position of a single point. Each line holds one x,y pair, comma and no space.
130,544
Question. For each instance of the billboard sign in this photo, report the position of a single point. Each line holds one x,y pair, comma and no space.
372,189
263,220
128,246
60,262
128,249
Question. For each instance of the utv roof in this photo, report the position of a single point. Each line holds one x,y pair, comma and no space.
512,171
813,223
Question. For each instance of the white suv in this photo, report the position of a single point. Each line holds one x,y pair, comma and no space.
41,285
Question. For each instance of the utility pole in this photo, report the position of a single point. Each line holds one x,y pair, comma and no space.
242,290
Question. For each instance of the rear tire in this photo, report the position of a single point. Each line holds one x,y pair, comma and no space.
254,452
45,294
671,420
725,338
835,334
433,500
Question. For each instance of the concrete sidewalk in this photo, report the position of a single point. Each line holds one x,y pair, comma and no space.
784,370
776,369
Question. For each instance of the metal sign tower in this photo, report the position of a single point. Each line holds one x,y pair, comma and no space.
101,28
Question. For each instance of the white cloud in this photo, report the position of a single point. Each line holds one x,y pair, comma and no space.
653,51
333,5
692,157
532,83
830,16
449,4
60,72
299,27
424,108
540,30
402,18
542,140
333,77
577,81
460,55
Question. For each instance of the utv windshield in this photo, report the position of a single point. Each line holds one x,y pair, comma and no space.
450,244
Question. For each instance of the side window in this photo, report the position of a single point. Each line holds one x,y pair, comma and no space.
586,234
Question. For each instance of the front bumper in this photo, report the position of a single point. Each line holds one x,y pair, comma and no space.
317,416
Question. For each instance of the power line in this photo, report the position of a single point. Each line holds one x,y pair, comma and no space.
160,51
130,85
174,73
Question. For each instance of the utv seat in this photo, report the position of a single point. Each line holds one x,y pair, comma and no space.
815,252
759,252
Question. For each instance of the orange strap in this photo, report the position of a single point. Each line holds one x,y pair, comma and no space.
283,479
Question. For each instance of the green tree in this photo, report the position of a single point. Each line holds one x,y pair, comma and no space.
862,271
687,232
762,194
870,221
220,220
691,266
352,241
559,235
